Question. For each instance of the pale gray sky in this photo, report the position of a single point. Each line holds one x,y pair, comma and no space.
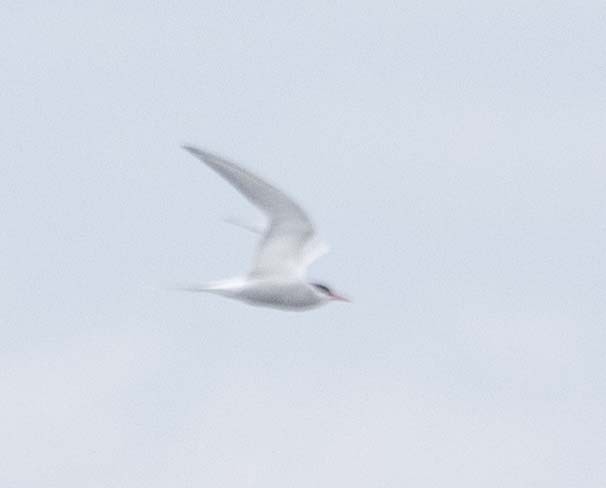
453,155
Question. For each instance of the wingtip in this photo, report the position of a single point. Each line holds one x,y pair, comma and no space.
200,153
190,148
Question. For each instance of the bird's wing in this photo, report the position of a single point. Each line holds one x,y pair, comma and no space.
289,244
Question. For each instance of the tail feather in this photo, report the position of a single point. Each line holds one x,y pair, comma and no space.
193,288
221,287
254,228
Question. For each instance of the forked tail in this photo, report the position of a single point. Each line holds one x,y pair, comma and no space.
220,287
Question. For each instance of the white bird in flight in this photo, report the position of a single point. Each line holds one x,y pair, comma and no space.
287,248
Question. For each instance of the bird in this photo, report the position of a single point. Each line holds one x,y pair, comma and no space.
288,246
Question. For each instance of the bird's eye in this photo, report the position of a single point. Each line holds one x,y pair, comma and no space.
322,288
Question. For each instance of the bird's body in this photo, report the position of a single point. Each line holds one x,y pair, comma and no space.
274,293
287,248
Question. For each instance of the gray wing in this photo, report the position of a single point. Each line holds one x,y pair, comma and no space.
289,245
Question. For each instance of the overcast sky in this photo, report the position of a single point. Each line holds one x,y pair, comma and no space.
452,154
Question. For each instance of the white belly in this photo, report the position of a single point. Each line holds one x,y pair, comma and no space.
285,295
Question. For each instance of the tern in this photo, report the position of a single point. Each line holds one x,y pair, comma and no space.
288,246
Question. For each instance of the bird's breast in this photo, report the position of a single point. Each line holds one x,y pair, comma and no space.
280,294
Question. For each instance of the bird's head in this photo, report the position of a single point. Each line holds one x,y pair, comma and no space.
326,293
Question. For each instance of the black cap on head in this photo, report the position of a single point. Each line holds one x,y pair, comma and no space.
323,288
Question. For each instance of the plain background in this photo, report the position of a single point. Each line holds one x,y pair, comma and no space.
452,154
